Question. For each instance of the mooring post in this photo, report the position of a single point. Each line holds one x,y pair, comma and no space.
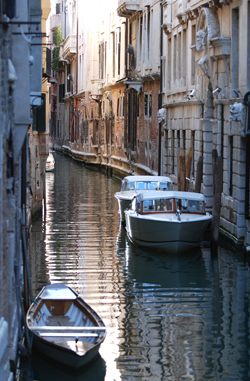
188,166
217,189
198,179
181,179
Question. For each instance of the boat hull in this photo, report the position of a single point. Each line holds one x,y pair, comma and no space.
65,327
67,357
166,233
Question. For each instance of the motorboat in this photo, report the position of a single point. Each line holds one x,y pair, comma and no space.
64,326
50,163
171,221
132,185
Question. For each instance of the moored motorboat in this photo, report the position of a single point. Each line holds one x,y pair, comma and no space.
135,184
64,326
171,221
50,163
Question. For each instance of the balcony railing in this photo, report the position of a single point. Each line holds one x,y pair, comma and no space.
68,48
127,8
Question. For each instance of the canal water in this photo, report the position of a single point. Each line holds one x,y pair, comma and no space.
168,317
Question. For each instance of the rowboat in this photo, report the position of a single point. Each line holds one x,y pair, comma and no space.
170,221
64,326
132,185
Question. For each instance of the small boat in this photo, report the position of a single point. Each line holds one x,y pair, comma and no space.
171,221
50,163
135,184
65,327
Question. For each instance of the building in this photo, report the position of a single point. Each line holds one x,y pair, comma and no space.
21,83
158,87
205,79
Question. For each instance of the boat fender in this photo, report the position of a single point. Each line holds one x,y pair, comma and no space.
22,350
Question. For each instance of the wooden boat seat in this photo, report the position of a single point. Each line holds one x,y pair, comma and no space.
69,328
67,334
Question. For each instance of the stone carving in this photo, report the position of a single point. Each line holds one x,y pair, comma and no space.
207,28
238,114
201,44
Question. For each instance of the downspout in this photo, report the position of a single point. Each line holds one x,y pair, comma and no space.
77,50
126,45
71,128
160,97
75,107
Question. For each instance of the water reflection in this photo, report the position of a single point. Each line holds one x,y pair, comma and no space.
45,369
183,317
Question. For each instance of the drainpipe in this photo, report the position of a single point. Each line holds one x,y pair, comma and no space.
247,212
126,45
71,128
160,98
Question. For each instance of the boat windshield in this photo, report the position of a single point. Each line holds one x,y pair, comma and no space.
128,186
146,185
190,206
160,205
171,205
165,186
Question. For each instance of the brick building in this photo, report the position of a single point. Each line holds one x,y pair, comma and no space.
21,84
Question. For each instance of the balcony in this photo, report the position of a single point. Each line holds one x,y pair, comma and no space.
68,48
127,8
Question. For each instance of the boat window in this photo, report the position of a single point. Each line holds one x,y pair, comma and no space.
129,186
138,207
141,185
164,205
152,185
165,186
192,206
149,206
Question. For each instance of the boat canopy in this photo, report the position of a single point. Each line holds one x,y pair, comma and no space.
57,291
169,195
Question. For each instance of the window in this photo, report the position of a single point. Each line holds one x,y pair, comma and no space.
113,55
145,105
61,93
148,34
119,52
57,8
169,65
68,78
150,106
117,109
101,61
235,50
193,55
140,48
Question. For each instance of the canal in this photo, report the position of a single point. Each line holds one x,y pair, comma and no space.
168,317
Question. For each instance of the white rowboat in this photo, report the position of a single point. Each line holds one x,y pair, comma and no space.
65,327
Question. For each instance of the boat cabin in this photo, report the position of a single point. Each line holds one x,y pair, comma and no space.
141,183
170,202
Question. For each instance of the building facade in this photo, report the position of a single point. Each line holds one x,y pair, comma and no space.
21,84
205,88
